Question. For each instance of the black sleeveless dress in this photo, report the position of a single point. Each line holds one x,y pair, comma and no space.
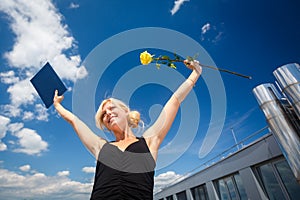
124,175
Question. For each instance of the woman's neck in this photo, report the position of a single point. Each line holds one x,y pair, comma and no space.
124,135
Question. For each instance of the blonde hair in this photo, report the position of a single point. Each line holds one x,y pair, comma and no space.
133,119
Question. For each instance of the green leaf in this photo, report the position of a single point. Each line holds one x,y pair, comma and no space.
176,56
189,58
165,57
171,65
157,65
195,56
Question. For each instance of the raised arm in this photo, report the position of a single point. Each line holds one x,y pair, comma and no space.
92,142
158,131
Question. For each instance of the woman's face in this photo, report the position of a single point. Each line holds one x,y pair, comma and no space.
114,117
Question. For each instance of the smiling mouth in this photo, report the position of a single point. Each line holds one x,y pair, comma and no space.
110,120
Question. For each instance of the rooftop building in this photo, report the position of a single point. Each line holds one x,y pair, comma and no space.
269,167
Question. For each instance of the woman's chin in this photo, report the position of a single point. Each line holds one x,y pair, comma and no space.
114,126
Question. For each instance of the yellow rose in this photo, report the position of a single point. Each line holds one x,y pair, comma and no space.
146,58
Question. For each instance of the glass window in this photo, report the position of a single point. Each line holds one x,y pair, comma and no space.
199,193
288,179
223,191
231,188
278,180
170,197
240,186
232,192
270,183
181,196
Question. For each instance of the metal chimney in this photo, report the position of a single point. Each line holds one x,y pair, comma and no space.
288,77
283,130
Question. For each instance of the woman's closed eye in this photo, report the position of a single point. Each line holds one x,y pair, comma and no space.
104,116
107,112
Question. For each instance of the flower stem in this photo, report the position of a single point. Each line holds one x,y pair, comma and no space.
227,71
206,66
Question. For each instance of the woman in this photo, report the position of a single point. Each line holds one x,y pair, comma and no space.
125,167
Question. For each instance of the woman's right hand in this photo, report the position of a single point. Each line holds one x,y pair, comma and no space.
57,99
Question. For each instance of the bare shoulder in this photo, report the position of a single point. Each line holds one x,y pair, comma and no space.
98,147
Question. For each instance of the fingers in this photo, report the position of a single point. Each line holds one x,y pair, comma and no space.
56,98
197,66
194,65
188,64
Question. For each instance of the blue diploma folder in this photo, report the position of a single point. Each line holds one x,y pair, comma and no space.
46,81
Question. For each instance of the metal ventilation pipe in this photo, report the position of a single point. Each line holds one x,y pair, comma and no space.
288,77
283,130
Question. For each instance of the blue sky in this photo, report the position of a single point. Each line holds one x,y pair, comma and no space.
41,156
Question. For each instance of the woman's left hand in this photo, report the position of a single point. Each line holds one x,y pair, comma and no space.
193,65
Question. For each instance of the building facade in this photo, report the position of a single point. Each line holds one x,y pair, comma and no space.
268,168
258,171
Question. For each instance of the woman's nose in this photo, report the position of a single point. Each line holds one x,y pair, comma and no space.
108,111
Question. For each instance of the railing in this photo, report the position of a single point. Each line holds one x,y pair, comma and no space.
225,154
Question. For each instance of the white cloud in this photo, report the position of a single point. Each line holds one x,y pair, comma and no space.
10,110
21,92
30,142
27,115
165,179
25,168
236,121
41,112
212,33
4,121
40,36
89,169
82,72
63,173
205,28
3,146
9,77
40,33
177,5
14,127
14,186
73,5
